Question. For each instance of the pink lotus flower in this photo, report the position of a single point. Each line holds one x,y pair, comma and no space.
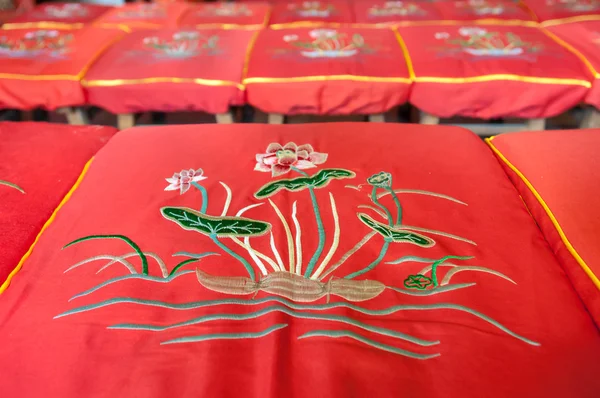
183,180
280,159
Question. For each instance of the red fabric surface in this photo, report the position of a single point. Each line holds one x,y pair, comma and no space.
557,9
585,38
303,58
382,11
42,67
68,13
492,58
83,355
251,13
169,54
563,168
335,11
133,16
44,160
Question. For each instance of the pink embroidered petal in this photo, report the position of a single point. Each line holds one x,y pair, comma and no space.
172,187
270,161
199,178
278,170
274,147
262,167
317,157
291,146
199,172
184,188
302,154
306,147
172,180
261,156
304,164
287,159
176,176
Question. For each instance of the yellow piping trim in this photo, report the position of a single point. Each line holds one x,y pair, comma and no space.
123,82
580,18
42,25
500,22
305,24
572,49
375,79
38,77
487,78
248,54
46,225
228,26
84,70
563,237
407,58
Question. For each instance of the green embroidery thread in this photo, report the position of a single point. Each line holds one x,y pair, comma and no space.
11,185
319,180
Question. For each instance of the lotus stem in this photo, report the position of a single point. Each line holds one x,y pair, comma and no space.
440,261
336,240
369,267
398,205
204,196
234,255
382,207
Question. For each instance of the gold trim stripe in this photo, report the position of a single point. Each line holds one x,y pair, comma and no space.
546,208
389,25
487,78
17,76
560,21
323,78
572,49
123,82
42,25
407,58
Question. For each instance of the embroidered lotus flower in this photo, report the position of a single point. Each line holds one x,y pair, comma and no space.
40,34
442,35
380,180
472,31
393,4
289,38
322,33
279,159
184,179
186,35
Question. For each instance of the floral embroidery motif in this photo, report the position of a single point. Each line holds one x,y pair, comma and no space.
575,5
279,160
328,43
65,11
478,42
312,9
483,7
396,8
50,43
11,185
141,11
287,285
182,45
225,10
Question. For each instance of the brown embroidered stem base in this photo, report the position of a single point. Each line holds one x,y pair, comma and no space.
292,286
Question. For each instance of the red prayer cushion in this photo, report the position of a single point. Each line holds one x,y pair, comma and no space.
557,174
585,38
109,316
40,163
312,13
133,16
61,13
327,71
247,15
472,64
557,10
43,67
184,69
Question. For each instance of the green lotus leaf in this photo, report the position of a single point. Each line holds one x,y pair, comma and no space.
392,234
319,180
193,220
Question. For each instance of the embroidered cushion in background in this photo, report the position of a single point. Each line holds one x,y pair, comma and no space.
557,174
558,11
43,67
311,12
536,75
134,16
39,165
291,71
327,260
183,69
584,37
61,13
245,15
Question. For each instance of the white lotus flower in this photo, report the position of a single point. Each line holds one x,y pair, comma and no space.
289,38
442,35
472,31
323,33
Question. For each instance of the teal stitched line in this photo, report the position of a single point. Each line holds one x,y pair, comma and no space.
345,333
234,255
416,259
121,237
285,310
204,196
320,228
440,261
398,205
369,267
226,336
126,277
430,292
181,264
382,207
321,307
199,255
